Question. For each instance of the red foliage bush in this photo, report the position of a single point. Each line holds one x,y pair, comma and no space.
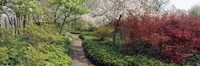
175,35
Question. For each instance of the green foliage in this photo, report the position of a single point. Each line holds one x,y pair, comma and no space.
4,55
65,5
91,26
37,46
74,6
80,25
21,7
47,34
103,32
195,11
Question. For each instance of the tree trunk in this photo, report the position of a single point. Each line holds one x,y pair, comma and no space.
61,28
64,20
24,21
9,20
116,26
55,14
15,25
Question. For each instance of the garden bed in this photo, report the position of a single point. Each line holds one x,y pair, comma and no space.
106,54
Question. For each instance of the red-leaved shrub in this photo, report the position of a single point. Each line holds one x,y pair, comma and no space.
176,36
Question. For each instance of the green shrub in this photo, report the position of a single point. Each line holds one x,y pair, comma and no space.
80,25
34,46
4,55
103,32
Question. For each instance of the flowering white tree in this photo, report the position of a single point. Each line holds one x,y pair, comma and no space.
114,10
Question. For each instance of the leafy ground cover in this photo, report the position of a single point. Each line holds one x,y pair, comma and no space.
108,54
35,46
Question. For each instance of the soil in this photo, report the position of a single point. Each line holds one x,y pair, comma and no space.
77,53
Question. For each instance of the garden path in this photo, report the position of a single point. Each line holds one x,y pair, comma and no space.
77,53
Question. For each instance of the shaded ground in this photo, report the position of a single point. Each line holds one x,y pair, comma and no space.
77,53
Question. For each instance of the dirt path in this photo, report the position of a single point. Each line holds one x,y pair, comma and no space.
77,53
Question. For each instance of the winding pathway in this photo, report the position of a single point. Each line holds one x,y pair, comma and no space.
77,53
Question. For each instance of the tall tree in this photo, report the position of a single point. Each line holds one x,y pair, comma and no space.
24,10
56,7
114,10
71,9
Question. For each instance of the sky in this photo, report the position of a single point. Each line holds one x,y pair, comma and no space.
184,4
